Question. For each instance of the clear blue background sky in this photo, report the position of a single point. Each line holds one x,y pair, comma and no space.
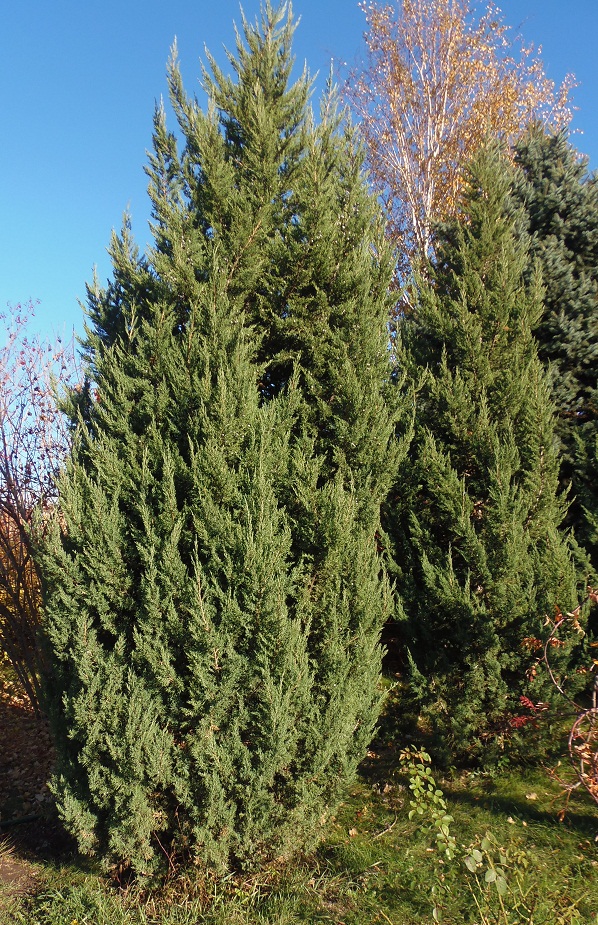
79,81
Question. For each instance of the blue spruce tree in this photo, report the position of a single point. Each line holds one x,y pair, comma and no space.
560,203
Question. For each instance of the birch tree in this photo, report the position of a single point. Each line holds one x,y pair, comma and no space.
439,77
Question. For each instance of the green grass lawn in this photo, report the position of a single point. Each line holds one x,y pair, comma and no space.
374,866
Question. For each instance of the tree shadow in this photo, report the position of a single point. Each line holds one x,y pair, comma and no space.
28,817
583,820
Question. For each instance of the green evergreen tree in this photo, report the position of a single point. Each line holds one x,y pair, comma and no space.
477,514
589,494
560,200
213,590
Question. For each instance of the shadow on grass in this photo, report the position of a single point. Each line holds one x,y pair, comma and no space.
582,820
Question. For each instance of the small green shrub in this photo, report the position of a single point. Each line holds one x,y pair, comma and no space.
428,799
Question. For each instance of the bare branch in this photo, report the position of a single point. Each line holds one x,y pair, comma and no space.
583,737
34,439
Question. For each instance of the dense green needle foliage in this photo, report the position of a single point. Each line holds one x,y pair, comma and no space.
213,589
561,205
476,512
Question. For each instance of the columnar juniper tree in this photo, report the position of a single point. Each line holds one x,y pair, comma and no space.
214,594
561,204
477,517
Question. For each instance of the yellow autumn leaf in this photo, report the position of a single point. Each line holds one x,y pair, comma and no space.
437,79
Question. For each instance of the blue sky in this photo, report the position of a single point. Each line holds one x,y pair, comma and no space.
79,82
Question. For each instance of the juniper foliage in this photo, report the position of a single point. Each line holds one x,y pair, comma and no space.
476,513
213,589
